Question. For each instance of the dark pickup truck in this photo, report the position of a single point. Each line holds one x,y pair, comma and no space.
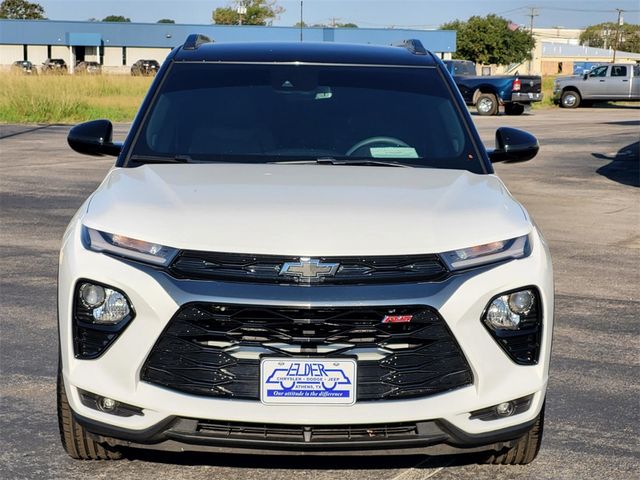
487,93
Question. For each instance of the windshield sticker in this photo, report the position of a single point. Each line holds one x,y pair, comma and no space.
393,152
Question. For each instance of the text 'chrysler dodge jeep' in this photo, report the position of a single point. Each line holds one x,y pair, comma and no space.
303,248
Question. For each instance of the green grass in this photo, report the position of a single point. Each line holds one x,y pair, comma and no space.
547,91
70,98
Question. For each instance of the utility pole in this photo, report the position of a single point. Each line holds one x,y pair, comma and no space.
617,40
301,21
242,10
533,12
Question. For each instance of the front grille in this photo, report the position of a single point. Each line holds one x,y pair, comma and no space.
214,349
267,268
295,433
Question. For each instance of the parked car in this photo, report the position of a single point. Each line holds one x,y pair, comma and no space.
487,93
145,67
610,82
303,248
23,66
54,65
89,68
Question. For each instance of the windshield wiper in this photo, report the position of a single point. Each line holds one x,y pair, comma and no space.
333,161
162,159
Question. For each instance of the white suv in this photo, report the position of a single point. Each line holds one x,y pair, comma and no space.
303,248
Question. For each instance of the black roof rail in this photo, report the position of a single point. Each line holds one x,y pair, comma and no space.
413,45
194,40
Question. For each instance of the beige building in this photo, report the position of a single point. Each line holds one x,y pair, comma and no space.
117,46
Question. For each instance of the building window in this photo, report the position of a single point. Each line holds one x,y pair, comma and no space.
48,51
25,53
101,54
124,55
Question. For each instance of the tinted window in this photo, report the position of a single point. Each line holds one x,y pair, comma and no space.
466,69
262,113
618,71
599,71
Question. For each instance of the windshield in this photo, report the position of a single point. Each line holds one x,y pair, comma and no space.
279,112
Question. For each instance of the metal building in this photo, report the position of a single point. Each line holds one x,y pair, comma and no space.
118,45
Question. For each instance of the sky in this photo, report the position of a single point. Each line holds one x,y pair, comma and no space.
365,13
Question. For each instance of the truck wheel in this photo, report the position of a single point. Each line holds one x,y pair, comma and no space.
570,99
75,440
514,109
525,450
487,104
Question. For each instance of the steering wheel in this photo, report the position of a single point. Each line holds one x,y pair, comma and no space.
391,141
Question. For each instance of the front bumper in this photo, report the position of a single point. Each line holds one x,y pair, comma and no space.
526,97
423,437
156,297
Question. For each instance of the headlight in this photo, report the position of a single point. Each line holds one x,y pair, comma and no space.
514,320
100,314
507,311
127,247
518,247
106,306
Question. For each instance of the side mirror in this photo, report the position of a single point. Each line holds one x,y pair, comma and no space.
94,138
514,145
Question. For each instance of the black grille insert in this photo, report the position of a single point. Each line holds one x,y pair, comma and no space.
204,348
295,433
267,268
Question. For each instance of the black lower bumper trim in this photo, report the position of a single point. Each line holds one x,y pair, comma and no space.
433,437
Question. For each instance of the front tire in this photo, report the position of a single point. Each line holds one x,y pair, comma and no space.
525,450
75,439
570,99
487,104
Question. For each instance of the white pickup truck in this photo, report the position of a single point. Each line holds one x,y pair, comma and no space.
619,81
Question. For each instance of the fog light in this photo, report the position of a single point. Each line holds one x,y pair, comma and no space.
505,409
92,295
107,404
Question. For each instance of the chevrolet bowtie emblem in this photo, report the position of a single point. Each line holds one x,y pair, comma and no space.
309,269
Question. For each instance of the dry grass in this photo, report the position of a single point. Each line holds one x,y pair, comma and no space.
70,98
78,98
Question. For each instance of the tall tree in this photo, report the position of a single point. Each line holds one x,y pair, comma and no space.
21,10
603,35
116,18
166,20
491,40
258,12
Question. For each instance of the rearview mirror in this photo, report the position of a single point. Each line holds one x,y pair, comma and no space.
94,138
585,76
514,145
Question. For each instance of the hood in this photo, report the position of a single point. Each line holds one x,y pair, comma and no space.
306,210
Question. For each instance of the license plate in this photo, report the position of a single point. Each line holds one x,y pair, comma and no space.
308,381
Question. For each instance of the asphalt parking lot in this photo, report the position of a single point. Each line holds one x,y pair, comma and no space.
583,192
